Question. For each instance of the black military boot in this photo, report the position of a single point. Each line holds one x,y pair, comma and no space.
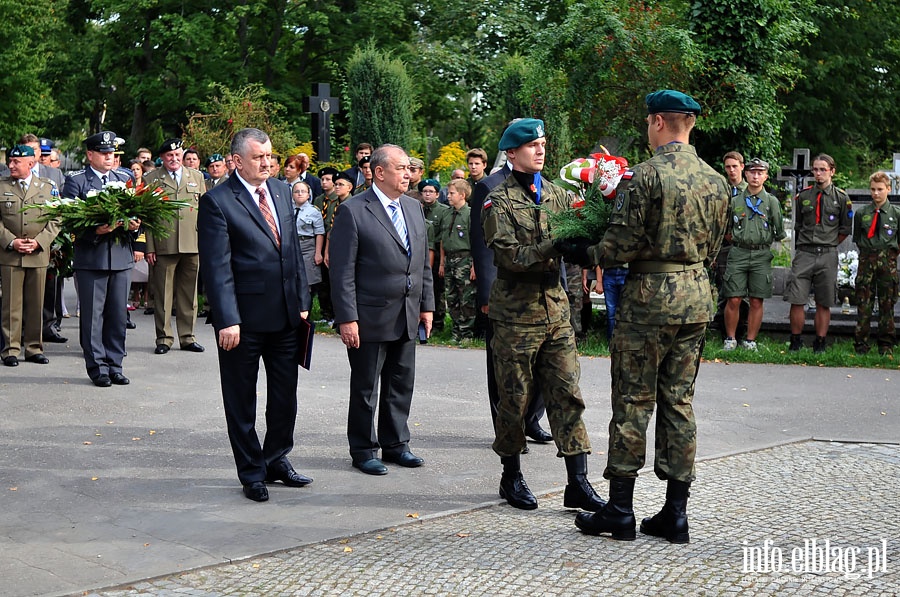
819,345
671,522
617,517
579,492
796,342
513,487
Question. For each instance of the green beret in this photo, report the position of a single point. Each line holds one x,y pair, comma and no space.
429,182
21,151
667,100
521,132
216,157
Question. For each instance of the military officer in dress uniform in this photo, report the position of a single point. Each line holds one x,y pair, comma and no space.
218,172
104,257
25,256
176,258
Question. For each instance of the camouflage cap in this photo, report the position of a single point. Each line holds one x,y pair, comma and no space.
416,162
668,100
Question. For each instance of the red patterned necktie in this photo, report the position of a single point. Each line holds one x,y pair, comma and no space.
874,227
267,214
819,208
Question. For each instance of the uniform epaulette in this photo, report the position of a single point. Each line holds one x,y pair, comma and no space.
76,173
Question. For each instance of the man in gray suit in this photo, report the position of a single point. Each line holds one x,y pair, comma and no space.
382,290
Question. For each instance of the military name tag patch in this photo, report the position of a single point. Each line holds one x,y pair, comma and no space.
192,184
8,194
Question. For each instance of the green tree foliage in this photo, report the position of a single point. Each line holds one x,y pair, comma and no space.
598,65
751,60
26,101
232,110
846,104
382,98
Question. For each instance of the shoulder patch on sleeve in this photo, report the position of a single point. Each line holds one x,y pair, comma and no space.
628,174
487,203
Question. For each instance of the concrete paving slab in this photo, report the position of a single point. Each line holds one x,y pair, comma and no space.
106,486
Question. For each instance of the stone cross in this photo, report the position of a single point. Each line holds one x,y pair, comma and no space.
895,174
796,176
321,106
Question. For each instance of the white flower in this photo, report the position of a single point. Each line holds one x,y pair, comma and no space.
92,193
115,184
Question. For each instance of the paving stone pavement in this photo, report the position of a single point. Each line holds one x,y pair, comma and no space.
745,511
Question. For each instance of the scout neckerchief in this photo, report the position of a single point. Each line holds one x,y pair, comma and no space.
754,209
874,227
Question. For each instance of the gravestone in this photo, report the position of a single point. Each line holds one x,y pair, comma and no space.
321,106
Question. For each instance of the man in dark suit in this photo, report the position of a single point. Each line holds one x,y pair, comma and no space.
485,274
363,150
257,291
103,261
382,291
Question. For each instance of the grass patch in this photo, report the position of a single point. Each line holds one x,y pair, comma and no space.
770,351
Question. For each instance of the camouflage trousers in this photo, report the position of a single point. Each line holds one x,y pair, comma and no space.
877,275
440,305
542,355
460,294
576,295
654,365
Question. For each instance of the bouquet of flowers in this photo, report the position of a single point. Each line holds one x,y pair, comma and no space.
116,202
592,181
848,263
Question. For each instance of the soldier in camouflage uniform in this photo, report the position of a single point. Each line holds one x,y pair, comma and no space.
533,341
875,229
668,223
456,261
434,214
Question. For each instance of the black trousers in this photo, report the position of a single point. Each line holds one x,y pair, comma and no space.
382,376
239,371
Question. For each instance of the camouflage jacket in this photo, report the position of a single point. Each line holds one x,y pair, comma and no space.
669,210
527,289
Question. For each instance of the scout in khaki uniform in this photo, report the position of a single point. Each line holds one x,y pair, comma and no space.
875,229
754,223
24,257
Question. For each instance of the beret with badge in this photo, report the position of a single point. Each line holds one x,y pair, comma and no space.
328,171
21,151
521,132
669,100
169,145
216,157
344,176
429,182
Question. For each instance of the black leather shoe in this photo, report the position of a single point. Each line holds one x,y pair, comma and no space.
54,338
11,361
39,358
102,381
407,459
193,347
290,477
161,349
119,379
130,325
256,491
372,466
539,435
149,311
526,449
516,493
